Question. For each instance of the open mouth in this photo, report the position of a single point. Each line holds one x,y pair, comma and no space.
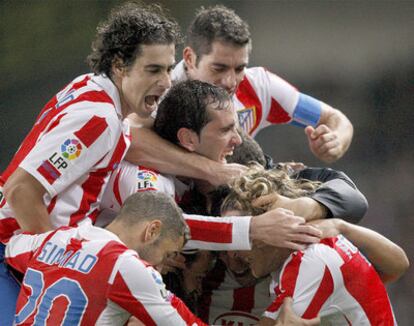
151,102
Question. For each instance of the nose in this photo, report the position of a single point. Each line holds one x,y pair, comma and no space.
229,81
237,138
165,80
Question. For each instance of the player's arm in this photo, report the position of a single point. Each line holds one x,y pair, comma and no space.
138,289
389,259
150,150
338,194
336,197
25,194
328,130
332,136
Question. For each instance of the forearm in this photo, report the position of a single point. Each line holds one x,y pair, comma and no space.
388,258
149,150
28,207
338,193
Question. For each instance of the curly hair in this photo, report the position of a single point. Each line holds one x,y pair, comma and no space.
216,23
258,182
128,27
186,106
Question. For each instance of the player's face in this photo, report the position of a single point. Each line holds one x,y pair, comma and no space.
142,84
219,136
238,268
160,250
224,66
259,261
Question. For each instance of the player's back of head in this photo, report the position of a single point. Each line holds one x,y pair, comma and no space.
152,205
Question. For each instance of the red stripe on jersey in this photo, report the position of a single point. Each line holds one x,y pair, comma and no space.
91,130
56,122
48,171
287,285
19,262
115,189
91,189
367,288
210,283
325,289
243,299
7,227
124,298
247,95
277,114
45,117
217,232
184,312
52,204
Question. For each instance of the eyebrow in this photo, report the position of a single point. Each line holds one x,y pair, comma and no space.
153,66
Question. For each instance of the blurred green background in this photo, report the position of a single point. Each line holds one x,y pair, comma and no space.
357,56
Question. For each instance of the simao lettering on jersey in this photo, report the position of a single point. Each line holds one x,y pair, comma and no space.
236,318
53,254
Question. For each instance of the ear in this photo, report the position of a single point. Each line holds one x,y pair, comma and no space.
190,58
188,139
118,67
152,231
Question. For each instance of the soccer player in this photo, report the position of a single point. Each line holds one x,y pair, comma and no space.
87,275
200,118
59,172
321,279
217,51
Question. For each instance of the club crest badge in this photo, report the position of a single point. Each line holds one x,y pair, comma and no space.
247,118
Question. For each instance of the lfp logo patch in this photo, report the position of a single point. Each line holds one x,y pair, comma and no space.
146,180
71,149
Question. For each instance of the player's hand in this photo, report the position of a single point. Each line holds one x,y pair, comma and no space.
281,228
222,173
330,227
291,167
324,143
288,317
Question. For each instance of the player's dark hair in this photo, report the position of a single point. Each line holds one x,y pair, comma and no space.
151,205
185,106
216,23
128,27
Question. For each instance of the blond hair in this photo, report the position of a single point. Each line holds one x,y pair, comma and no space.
257,182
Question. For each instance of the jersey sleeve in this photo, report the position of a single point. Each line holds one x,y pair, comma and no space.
281,102
307,280
218,233
138,288
338,193
72,145
21,248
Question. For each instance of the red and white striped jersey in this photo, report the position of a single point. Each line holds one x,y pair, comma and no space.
76,142
263,99
207,233
332,279
225,302
87,276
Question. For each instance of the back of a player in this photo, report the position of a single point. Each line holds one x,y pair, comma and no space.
67,278
335,281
